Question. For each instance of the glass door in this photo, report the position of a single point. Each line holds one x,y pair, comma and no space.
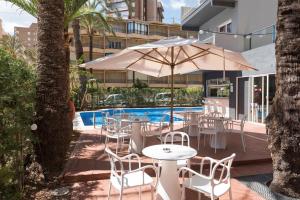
259,97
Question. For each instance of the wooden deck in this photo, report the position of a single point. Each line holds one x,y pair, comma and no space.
88,161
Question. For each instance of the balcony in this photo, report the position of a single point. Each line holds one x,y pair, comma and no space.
240,43
207,9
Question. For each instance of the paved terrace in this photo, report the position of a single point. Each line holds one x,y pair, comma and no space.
87,171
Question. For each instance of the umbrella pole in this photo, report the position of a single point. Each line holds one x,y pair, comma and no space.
172,96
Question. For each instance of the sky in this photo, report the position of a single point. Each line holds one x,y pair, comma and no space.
12,16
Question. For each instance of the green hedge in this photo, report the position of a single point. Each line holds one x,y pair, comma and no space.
139,97
17,83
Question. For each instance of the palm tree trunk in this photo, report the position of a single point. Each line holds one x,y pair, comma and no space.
79,56
283,121
77,40
54,125
91,46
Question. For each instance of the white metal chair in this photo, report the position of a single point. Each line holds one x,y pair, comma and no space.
213,127
240,124
185,121
114,132
212,185
104,116
183,138
121,178
153,129
193,120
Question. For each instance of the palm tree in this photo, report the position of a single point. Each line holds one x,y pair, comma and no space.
283,121
94,22
54,125
77,41
74,9
130,8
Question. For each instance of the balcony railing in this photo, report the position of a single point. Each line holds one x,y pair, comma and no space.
239,42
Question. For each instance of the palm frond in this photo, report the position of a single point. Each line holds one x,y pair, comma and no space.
72,10
29,6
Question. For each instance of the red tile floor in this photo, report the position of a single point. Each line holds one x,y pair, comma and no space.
87,170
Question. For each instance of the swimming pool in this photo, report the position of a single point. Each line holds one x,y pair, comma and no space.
154,114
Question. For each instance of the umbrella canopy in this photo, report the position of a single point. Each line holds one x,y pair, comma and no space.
171,56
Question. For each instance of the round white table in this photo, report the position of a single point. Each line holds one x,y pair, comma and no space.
168,184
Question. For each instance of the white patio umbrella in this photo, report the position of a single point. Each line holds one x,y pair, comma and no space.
171,56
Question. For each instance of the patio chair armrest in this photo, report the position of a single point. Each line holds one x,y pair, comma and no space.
143,170
192,172
129,158
124,128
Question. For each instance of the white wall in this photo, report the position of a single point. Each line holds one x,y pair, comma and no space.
255,14
262,58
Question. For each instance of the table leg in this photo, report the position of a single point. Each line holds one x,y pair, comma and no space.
193,128
168,186
220,141
136,139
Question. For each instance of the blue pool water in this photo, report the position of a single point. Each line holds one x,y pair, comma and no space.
154,114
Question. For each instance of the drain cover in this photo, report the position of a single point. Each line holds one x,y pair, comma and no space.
60,191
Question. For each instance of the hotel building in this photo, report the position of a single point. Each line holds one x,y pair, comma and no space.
247,27
27,35
140,29
144,10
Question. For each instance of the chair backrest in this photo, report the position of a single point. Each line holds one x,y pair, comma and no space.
170,137
116,164
217,114
111,124
125,126
186,116
224,176
124,115
104,115
219,125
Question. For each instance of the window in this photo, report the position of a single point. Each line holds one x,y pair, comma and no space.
226,27
217,87
114,45
107,54
138,28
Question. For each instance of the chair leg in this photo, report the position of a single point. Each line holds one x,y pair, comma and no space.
144,138
140,193
117,146
182,193
121,193
106,140
215,143
199,196
198,141
109,190
230,194
243,141
152,192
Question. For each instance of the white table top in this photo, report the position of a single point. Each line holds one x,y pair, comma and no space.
177,152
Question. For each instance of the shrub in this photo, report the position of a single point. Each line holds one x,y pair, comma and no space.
17,83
